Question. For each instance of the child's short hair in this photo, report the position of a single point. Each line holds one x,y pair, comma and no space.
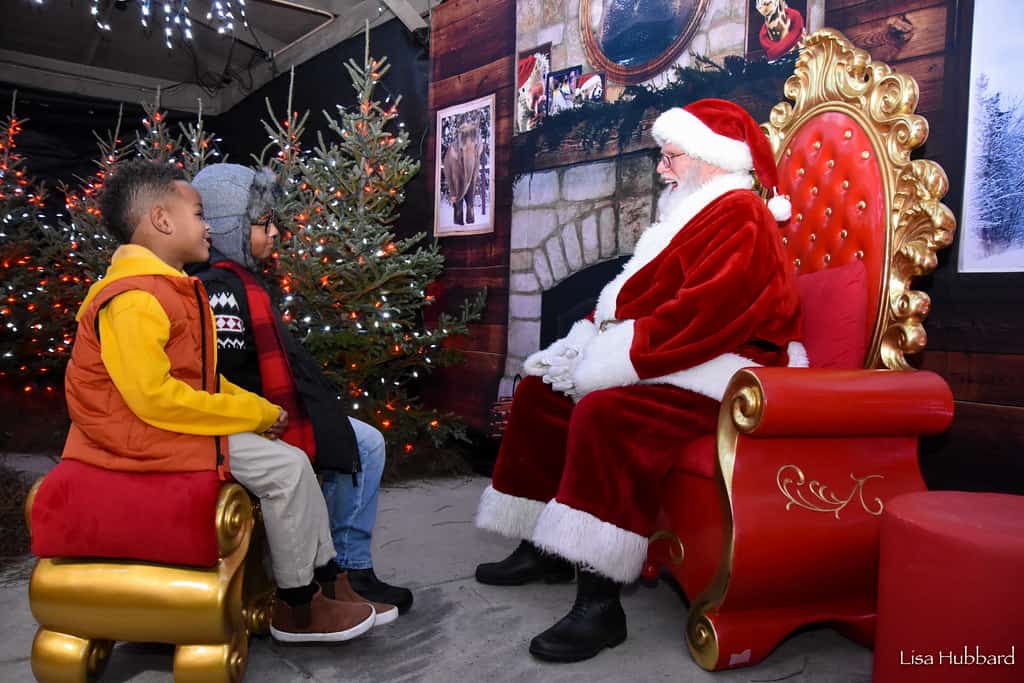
125,192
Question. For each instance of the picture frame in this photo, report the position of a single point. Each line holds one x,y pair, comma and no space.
991,234
561,89
532,68
774,27
590,88
633,42
463,169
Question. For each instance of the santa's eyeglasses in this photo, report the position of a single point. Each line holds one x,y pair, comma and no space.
667,158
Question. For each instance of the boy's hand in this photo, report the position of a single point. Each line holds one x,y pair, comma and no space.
277,429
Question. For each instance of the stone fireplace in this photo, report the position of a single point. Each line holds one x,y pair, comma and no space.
572,227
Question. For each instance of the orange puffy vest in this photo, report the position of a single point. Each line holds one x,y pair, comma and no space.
104,430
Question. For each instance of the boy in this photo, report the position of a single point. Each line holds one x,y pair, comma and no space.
144,395
259,353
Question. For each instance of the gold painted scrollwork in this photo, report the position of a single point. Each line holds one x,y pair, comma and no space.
820,498
833,75
233,518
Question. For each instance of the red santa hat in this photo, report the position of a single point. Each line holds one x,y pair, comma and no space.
725,135
526,65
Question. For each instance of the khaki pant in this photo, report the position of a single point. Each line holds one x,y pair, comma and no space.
294,511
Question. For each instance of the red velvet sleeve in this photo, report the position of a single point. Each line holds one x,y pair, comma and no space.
736,281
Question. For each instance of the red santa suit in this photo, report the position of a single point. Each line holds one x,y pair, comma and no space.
708,291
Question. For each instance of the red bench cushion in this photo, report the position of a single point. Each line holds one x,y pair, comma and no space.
85,511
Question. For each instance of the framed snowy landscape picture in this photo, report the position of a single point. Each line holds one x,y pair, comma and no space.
992,218
463,173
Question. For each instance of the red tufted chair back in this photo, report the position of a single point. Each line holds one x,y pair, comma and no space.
861,205
830,170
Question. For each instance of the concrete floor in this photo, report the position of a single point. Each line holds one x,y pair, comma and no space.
459,630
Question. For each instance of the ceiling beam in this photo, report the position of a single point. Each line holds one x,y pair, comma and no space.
406,13
90,81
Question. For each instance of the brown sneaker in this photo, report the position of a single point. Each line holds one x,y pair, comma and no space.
341,589
321,621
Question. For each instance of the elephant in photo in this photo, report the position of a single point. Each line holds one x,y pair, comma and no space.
462,169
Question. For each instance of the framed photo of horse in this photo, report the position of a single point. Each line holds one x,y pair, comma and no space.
463,173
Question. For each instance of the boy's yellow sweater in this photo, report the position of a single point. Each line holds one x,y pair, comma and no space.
134,329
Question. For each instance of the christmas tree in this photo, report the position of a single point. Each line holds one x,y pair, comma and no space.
351,291
23,313
52,267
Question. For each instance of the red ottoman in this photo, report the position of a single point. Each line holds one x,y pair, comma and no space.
951,589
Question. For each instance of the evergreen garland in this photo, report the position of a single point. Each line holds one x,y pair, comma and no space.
593,122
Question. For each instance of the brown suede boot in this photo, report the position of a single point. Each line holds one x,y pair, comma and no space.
320,621
341,589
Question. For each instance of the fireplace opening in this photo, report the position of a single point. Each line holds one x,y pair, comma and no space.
574,298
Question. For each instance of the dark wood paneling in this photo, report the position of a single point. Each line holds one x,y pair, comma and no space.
980,377
473,55
980,452
846,13
902,36
468,389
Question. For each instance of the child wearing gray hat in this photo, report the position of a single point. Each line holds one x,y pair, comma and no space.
257,352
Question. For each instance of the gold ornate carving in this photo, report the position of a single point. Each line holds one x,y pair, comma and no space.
821,498
234,518
676,552
832,75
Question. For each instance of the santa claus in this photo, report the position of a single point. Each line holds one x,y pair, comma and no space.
607,410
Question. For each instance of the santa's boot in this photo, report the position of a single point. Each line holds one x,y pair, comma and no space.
596,621
525,565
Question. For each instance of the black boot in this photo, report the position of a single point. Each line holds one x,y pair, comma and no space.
596,621
365,583
525,565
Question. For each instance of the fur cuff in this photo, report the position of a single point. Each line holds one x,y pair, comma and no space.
507,515
598,546
605,362
581,333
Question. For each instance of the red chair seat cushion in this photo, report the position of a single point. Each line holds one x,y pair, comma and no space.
834,303
950,568
85,511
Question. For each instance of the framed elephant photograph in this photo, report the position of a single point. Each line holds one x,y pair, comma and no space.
463,173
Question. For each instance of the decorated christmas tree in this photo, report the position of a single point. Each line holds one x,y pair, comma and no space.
52,266
23,312
351,291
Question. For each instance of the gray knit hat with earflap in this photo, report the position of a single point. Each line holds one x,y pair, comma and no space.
235,197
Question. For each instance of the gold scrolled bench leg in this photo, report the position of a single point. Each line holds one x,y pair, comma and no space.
221,663
62,658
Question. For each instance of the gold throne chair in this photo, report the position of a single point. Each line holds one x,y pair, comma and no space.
195,580
781,528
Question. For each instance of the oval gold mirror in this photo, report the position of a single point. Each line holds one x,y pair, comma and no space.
633,40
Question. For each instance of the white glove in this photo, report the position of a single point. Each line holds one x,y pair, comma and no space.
559,374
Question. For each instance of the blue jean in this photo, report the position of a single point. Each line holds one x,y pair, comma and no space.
352,505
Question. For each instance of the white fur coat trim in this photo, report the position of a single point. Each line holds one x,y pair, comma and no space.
655,238
681,128
606,363
507,515
598,546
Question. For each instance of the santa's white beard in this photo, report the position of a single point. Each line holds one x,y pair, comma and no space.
675,194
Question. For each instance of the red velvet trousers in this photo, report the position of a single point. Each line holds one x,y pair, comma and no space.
582,481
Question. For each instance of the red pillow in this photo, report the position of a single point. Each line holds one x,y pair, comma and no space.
166,517
835,303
